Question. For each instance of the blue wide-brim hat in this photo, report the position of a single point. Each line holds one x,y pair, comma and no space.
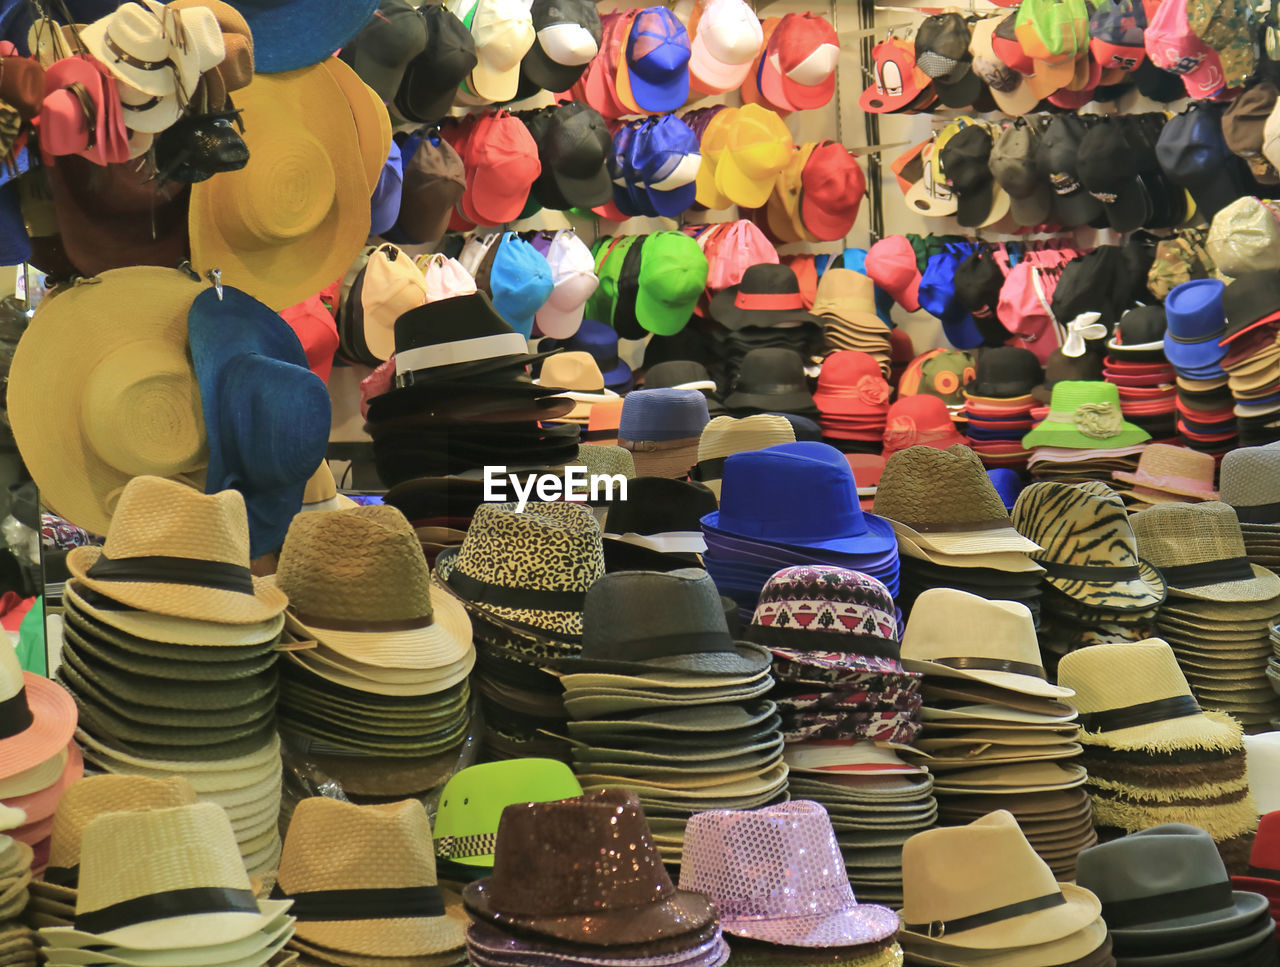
266,414
289,34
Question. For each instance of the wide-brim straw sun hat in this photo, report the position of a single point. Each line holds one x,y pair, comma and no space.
101,390
205,541
1200,551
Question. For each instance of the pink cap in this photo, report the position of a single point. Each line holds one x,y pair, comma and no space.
891,264
1173,46
1024,309
446,278
377,383
726,39
736,249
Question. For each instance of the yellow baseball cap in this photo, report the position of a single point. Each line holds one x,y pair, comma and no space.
715,139
759,148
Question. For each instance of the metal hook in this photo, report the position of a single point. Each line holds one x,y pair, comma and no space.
215,276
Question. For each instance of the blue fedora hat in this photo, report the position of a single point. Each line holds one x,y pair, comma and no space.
289,34
1196,321
799,494
266,414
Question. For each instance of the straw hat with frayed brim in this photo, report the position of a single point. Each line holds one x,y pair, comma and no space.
297,215
101,390
205,538
1201,553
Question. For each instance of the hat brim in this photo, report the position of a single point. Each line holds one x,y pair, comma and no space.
745,659
175,933
53,716
279,46
1076,209
597,189
1014,682
1263,586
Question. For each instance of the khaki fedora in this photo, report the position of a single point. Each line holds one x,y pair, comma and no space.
1200,551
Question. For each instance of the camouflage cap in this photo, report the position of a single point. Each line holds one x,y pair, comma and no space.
1228,27
1179,259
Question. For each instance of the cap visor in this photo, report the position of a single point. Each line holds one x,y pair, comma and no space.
493,85
1021,100
548,75
1032,210
808,97
1054,76
875,101
738,187
1131,209
973,207
659,98
585,192
671,204
1079,208
959,93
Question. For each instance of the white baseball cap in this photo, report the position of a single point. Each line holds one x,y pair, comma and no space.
445,278
573,279
725,42
503,33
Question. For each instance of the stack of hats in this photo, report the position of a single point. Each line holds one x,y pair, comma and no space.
794,503
1220,606
853,400
1264,855
1144,377
383,688
176,674
1153,755
446,416
725,435
376,900
953,530
846,701
579,881
1252,362
846,304
654,643
1168,900
137,862
980,893
1250,482
658,527
685,374
1096,587
771,381
997,734
15,895
1196,322
775,877
578,373
998,404
523,578
53,896
1084,435
919,421
662,429
1167,474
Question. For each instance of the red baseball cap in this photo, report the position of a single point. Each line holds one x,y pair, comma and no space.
457,132
891,264
832,186
502,165
750,89
897,80
799,69
313,324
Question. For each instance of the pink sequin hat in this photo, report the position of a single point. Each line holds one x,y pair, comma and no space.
776,874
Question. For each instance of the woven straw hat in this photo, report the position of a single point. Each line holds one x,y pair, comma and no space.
1250,482
947,502
129,623
950,875
297,215
725,436
1088,547
1114,683
1173,470
205,541
101,390
955,634
1201,553
357,583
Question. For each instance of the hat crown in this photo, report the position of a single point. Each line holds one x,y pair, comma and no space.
127,855
1119,674
778,861
948,623
335,845
826,600
727,435
767,278
577,371
1250,478
1161,462
663,414
1153,863
1057,515
929,489
550,547
1193,309
846,368
359,564
1175,534
842,292
764,369
92,796
634,616
162,518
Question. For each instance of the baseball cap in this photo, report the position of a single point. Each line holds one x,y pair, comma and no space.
1173,46
938,296
608,269
394,35
1228,27
1193,153
757,150
1056,156
1054,34
725,39
673,275
573,150
1244,125
1011,92
897,79
444,277
520,281
598,84
1244,237
392,286
978,281
832,186
502,165
1109,170
942,52
573,280
891,265
434,180
1116,31
666,162
655,71
798,70
932,194
1013,165
503,32
715,140
431,79
624,318
965,159
384,205
568,35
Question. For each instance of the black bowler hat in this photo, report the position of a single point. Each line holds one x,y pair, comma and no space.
431,80
1061,368
1139,335
1004,372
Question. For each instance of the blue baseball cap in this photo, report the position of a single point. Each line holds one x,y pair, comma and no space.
938,296
384,206
657,59
1196,321
667,158
520,280
623,174
1193,154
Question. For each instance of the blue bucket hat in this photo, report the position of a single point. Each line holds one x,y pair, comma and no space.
289,34
520,281
384,206
660,415
1195,320
666,157
266,414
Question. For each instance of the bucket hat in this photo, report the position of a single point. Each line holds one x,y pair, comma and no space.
266,414
1201,554
726,435
173,551
799,896
768,295
1174,471
1085,415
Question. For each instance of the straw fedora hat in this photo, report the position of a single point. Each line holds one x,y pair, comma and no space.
1175,471
174,551
1133,696
725,436
101,390
1200,551
125,626
297,215
375,896
955,634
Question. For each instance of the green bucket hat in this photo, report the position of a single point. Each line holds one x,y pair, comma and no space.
1085,415
673,275
473,799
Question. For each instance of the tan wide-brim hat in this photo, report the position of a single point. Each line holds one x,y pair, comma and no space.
101,390
373,123
297,215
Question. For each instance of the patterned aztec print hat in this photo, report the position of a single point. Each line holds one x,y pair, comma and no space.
831,609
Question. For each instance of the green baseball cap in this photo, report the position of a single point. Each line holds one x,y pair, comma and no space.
673,275
472,802
1085,415
1053,31
609,267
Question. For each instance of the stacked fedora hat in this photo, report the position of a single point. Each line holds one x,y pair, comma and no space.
166,885
1220,606
170,651
846,702
953,530
376,900
18,943
1250,482
1153,755
383,689
775,876
1168,900
523,577
662,429
1096,586
1252,361
654,643
726,435
790,504
997,734
658,527
846,303
998,405
580,881
980,894
580,374
1167,474
53,895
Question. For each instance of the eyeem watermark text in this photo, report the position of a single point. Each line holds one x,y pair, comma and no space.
575,485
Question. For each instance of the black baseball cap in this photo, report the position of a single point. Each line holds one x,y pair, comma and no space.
978,282
431,79
1057,157
624,307
942,52
1158,85
1109,171
1004,372
1194,154
568,37
1168,201
394,36
1092,283
573,146
965,159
